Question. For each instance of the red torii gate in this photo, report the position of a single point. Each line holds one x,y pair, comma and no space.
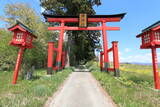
91,18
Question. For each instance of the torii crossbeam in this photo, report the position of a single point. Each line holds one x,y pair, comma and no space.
91,18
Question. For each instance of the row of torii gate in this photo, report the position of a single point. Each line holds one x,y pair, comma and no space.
23,37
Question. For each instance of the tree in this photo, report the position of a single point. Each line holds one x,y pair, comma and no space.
7,53
23,12
85,41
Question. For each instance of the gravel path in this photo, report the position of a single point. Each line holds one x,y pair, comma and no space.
81,90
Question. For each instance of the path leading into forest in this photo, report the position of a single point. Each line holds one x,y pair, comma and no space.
81,90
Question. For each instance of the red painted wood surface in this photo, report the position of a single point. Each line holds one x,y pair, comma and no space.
63,59
101,61
22,38
60,46
155,68
109,50
150,38
115,55
50,56
89,19
105,44
115,68
111,69
62,28
88,28
18,64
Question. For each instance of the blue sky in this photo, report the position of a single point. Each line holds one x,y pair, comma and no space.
140,14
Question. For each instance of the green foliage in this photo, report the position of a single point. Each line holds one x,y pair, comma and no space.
34,57
33,93
70,7
7,53
81,43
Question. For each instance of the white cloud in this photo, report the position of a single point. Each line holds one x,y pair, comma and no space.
139,58
143,58
120,53
127,50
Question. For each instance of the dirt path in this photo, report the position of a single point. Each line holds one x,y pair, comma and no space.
81,90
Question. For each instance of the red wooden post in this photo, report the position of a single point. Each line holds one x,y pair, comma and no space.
101,60
50,56
115,58
105,46
18,64
60,44
63,60
155,68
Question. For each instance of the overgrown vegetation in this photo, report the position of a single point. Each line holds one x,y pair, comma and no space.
133,89
33,93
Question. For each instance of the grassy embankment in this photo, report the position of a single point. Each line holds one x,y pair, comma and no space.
29,93
132,89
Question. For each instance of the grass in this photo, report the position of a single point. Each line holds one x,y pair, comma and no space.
141,69
132,88
138,74
29,93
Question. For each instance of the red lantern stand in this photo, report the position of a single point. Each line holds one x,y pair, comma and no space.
115,68
51,51
151,40
22,38
81,19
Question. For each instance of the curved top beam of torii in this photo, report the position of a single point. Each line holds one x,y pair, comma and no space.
91,18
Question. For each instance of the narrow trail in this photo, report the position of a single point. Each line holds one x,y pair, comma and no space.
81,90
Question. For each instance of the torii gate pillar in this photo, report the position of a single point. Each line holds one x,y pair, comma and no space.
60,46
105,46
